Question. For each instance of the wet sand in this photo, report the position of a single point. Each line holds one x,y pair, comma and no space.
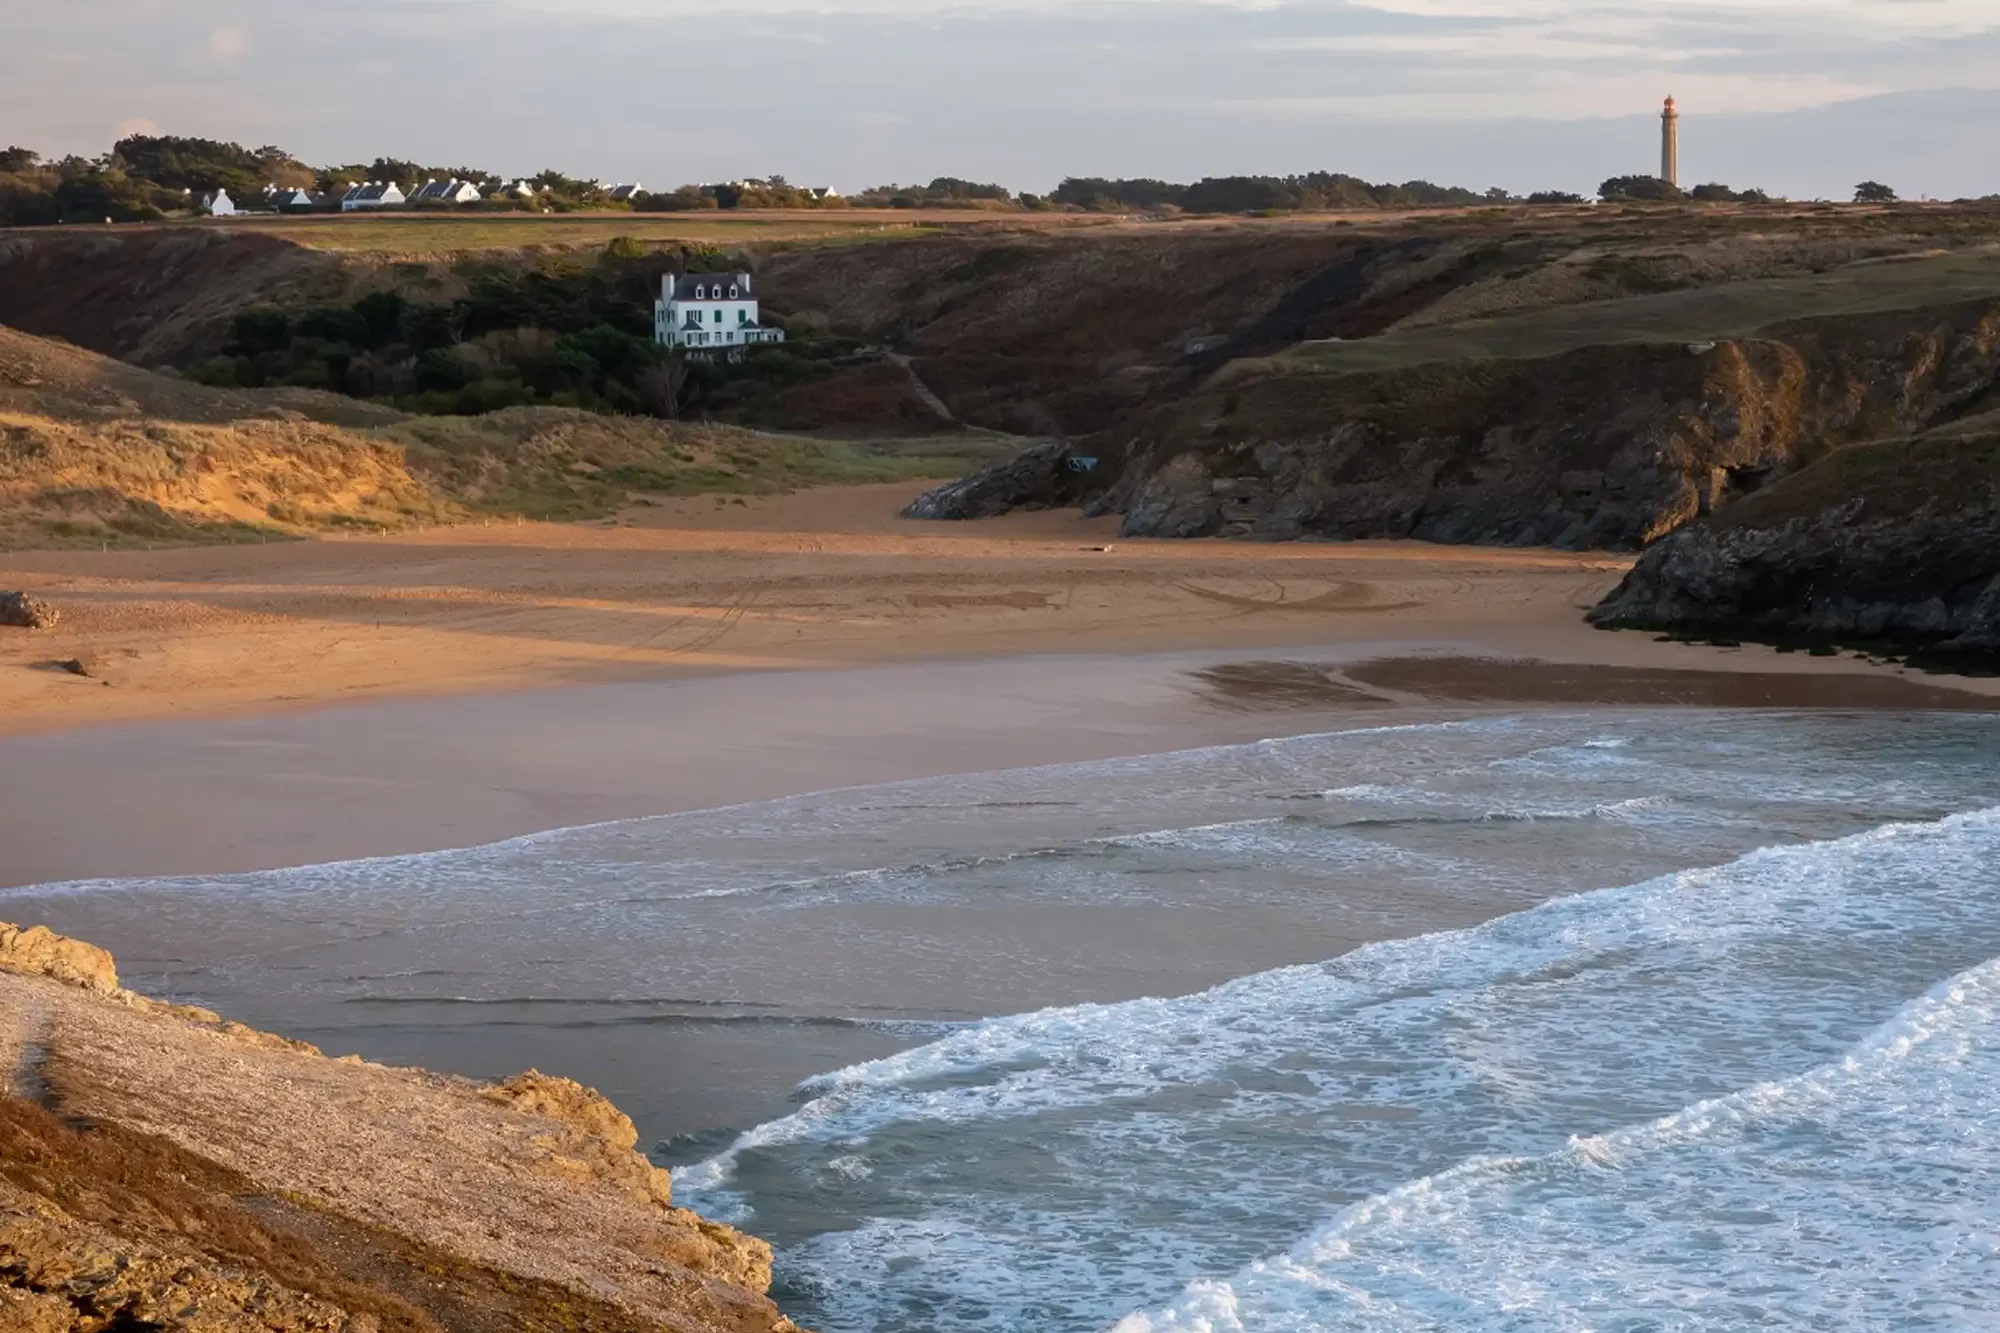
210,796
267,705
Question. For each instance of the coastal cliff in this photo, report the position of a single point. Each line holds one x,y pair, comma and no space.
164,1169
1600,447
1893,544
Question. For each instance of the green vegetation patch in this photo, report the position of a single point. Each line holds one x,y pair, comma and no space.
1948,471
576,331
554,464
1703,314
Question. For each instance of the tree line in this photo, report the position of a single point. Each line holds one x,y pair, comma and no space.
151,177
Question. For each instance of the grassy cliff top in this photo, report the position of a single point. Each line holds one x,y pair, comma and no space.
1956,470
1697,314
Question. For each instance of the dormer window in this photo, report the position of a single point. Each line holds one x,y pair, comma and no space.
701,293
732,293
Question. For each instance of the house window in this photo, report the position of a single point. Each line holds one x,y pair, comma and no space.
732,293
700,293
718,316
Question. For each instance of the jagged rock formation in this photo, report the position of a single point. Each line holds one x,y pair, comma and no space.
163,1169
1035,478
1894,543
18,610
39,952
1608,446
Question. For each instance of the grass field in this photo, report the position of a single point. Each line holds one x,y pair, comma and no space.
556,463
1701,314
423,233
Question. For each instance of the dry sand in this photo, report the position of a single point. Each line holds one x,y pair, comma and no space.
721,641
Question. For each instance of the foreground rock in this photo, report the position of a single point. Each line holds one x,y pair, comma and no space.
165,1170
1894,544
20,611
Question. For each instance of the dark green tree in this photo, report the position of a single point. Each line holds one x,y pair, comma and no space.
1873,192
1639,189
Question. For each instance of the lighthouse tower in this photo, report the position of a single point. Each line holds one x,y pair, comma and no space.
1670,144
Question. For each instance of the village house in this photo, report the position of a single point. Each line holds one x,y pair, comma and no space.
373,194
453,191
218,204
522,189
706,311
627,194
281,197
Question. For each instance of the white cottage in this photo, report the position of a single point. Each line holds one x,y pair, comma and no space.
218,204
373,194
453,191
281,197
709,310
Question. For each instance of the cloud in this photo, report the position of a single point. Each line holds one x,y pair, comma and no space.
1523,93
228,46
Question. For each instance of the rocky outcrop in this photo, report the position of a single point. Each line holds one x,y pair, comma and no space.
60,1274
18,610
1894,544
1040,477
1602,447
38,951
167,1170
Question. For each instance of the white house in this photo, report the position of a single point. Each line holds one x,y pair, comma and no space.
373,194
446,192
285,196
523,189
627,194
709,310
219,204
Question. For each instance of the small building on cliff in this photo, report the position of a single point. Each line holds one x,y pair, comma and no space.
706,312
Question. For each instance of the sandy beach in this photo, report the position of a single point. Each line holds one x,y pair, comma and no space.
299,702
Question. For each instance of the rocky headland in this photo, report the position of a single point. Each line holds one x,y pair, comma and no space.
1893,545
163,1169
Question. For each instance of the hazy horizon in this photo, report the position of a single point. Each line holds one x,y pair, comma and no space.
1795,96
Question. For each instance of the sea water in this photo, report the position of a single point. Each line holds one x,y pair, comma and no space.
1672,1020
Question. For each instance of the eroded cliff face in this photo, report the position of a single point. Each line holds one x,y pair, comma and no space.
1894,544
163,1169
1608,446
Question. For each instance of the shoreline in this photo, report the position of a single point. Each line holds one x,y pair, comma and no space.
261,706
411,776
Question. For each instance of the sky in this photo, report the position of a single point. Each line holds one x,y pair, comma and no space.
1800,97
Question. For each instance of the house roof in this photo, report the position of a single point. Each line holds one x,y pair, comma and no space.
373,190
686,283
632,191
450,189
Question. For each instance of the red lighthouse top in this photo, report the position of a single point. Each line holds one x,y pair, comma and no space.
1670,104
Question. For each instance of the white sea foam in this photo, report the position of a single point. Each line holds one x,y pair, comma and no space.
1059,1169
1856,1196
1279,1097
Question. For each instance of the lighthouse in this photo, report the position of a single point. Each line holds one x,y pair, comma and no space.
1670,145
